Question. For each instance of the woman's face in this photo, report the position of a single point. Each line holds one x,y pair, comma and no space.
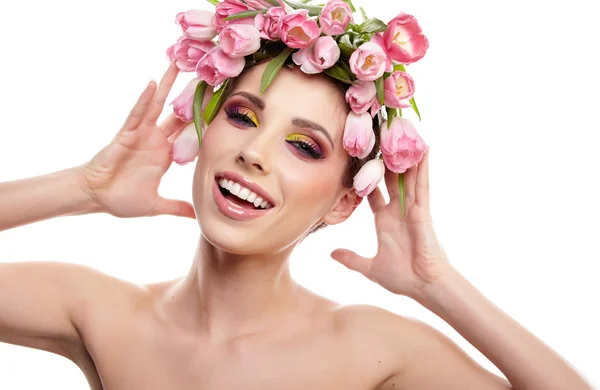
285,146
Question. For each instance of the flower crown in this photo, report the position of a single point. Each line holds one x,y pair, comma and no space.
370,57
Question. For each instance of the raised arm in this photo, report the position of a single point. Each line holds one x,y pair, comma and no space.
411,262
122,179
42,304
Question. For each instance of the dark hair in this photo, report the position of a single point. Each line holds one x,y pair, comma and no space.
354,163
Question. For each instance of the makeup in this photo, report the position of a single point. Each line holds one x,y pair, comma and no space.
305,145
242,115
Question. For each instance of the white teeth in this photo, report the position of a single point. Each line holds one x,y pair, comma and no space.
235,189
243,193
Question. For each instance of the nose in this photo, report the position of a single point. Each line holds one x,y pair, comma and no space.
253,160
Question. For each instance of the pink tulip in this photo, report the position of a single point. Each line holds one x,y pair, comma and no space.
315,59
196,24
368,177
359,137
375,107
399,87
268,23
183,104
404,39
335,17
369,61
361,96
216,66
188,52
239,40
227,8
185,147
297,30
259,4
402,147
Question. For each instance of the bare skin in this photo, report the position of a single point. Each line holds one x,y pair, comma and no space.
238,320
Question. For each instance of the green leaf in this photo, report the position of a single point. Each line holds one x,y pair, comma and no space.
351,5
213,2
244,14
197,109
273,68
337,72
347,69
399,67
215,103
274,2
401,189
399,112
391,113
363,14
313,10
345,50
372,25
413,103
380,90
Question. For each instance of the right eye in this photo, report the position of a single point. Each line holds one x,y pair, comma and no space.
242,115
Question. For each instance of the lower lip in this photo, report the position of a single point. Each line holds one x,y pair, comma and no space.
234,212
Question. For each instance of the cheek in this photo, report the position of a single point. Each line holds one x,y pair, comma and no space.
217,140
310,188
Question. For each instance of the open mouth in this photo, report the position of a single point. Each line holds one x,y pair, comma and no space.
241,196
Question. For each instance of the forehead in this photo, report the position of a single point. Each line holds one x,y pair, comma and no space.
296,94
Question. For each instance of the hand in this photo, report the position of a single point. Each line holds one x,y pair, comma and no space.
123,178
409,256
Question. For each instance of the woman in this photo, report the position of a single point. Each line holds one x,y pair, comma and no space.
237,319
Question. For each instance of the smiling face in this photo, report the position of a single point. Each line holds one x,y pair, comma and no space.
285,146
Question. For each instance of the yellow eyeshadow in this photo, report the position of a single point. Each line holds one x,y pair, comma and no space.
249,113
299,137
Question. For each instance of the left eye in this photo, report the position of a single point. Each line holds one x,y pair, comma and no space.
307,147
241,116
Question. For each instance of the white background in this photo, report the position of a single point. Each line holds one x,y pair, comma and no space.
509,97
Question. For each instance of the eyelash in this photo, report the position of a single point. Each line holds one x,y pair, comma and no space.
246,117
307,147
242,115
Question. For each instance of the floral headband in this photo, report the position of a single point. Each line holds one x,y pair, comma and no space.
370,56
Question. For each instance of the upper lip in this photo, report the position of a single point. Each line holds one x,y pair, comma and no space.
245,182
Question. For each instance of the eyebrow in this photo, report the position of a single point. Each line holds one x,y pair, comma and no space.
300,122
312,125
258,102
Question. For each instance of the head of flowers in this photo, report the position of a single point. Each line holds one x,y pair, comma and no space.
366,53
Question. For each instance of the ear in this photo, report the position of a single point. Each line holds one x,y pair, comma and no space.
344,207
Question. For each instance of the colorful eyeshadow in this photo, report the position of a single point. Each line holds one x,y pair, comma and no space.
242,114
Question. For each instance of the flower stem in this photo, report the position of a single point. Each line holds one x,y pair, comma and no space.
401,189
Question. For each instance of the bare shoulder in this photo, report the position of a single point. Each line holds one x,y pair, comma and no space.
416,349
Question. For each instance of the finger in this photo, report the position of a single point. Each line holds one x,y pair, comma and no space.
175,207
171,125
391,184
352,261
376,200
422,186
139,109
410,181
160,97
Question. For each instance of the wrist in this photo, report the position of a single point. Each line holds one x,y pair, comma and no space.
434,295
83,199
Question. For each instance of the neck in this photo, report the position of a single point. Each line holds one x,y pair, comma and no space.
228,295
